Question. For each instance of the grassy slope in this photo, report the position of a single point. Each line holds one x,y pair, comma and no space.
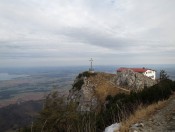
104,87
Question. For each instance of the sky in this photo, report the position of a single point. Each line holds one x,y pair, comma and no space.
70,32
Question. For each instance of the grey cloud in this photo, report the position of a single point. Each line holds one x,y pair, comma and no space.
82,29
116,43
97,38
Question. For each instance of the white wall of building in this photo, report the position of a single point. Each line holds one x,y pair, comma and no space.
150,73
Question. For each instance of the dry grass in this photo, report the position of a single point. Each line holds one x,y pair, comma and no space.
103,87
141,113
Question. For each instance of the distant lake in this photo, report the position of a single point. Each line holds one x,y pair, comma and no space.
6,76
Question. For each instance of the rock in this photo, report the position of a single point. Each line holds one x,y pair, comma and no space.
136,127
133,80
91,89
135,131
88,100
113,128
83,94
173,117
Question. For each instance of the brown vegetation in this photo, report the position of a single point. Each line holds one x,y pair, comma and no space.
104,87
141,113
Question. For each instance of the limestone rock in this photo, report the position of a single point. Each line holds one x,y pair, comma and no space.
90,89
84,96
133,80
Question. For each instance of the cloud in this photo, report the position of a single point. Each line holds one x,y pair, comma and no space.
117,30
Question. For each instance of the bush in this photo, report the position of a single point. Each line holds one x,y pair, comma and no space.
57,115
86,74
78,84
122,105
163,75
173,86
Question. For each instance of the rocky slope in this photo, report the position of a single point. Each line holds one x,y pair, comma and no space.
163,120
90,90
133,80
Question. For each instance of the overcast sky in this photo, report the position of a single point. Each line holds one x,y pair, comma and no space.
70,32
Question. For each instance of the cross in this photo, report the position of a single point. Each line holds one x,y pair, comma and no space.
91,63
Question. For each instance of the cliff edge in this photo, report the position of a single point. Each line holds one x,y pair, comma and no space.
90,90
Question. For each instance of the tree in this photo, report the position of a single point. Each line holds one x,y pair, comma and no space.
163,75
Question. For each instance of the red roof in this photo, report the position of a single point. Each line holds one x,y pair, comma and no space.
141,70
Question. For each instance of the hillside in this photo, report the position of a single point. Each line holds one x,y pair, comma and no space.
158,117
16,116
95,102
104,85
91,89
162,119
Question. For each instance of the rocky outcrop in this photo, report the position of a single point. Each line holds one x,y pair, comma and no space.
91,89
133,80
162,119
83,93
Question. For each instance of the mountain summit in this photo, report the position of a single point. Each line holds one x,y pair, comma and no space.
90,90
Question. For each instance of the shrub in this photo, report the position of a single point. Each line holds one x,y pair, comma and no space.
173,86
86,74
163,75
60,116
122,105
78,84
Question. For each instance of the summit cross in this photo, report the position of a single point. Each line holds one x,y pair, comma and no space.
91,63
